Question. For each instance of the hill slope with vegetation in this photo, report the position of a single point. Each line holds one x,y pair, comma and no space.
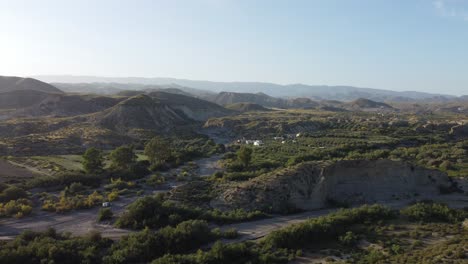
8,84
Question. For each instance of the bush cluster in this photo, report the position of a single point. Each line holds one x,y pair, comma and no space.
11,192
17,208
327,227
66,203
434,212
155,211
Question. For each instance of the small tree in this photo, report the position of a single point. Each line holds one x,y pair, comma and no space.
104,214
349,239
93,161
446,165
12,193
155,180
157,150
123,157
245,156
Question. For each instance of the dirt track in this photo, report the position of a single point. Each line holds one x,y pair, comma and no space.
10,172
208,166
83,221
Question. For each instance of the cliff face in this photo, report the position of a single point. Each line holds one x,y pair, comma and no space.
312,186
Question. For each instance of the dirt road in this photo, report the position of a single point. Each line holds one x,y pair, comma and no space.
10,172
208,166
81,222
260,228
77,222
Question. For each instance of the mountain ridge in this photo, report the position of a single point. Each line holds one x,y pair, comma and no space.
339,92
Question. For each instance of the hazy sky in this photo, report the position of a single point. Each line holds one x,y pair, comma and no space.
391,44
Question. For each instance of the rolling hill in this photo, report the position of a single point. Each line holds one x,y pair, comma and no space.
61,105
363,103
157,111
21,98
229,98
226,98
141,112
17,92
9,84
194,108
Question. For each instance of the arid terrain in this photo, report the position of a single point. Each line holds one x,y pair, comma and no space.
259,176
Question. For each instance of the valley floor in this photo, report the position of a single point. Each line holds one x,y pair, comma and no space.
81,222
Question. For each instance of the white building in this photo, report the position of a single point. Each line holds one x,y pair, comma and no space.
257,143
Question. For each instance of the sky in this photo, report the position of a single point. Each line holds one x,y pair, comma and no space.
419,45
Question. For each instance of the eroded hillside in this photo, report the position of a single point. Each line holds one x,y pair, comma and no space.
313,185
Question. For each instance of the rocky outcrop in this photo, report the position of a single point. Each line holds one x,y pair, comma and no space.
314,185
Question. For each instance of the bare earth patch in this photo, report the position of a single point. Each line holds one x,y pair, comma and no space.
10,172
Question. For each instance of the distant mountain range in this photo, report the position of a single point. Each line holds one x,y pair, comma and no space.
36,115
116,88
227,98
316,92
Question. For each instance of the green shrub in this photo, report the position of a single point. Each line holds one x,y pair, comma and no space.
75,187
17,208
154,212
429,212
51,247
66,202
325,227
93,161
147,245
155,180
120,184
64,179
12,193
349,239
238,253
104,214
